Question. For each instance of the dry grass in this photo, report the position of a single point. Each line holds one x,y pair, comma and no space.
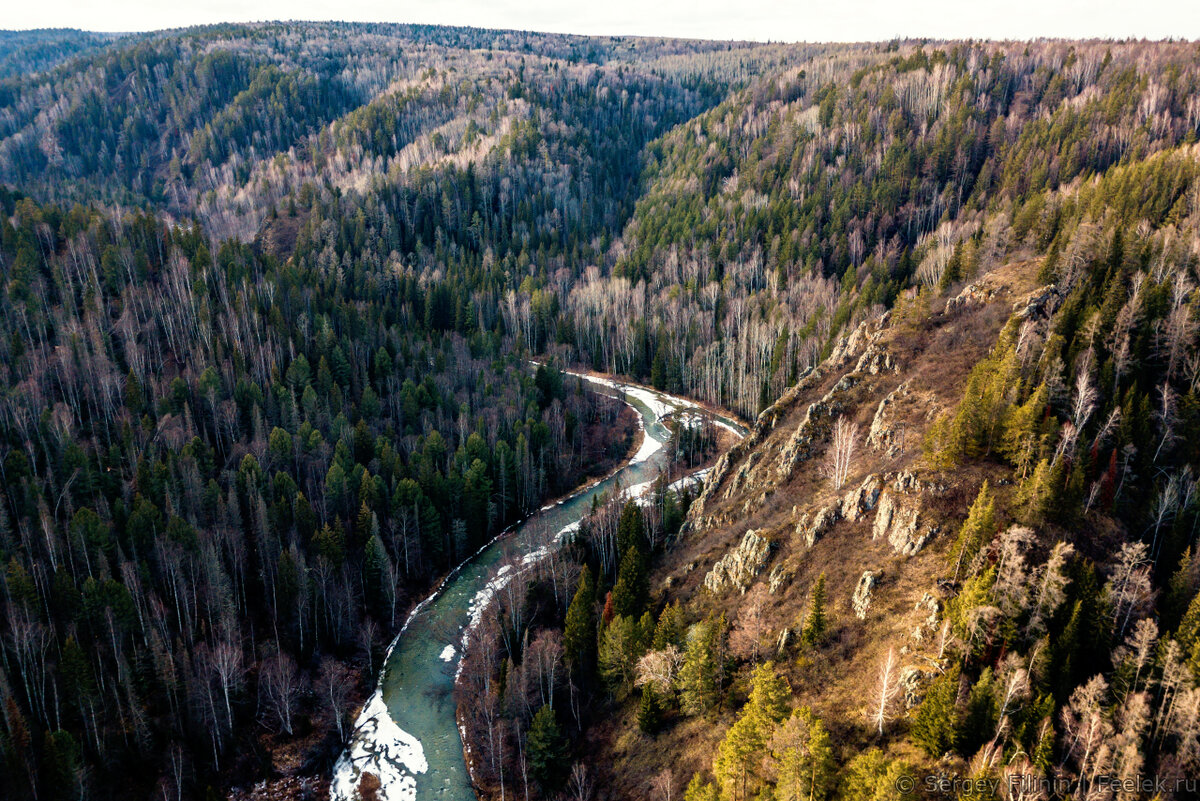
836,678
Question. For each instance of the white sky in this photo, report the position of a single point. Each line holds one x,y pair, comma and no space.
794,20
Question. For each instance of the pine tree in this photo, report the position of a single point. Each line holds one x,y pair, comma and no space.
871,776
769,693
739,758
937,720
700,790
803,758
698,674
815,624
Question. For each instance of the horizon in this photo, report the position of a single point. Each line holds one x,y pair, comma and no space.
903,38
758,21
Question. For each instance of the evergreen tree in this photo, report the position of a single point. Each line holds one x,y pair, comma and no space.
698,674
619,653
547,751
579,631
976,530
871,776
815,623
700,790
668,630
650,711
937,721
60,763
739,758
803,758
632,590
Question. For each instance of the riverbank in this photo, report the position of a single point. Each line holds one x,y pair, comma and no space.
299,766
661,407
416,684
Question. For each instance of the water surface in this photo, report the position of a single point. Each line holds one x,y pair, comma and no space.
408,734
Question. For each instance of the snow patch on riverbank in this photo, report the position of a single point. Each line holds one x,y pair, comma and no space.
641,492
379,747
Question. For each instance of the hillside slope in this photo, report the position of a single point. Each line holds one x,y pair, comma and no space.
1004,557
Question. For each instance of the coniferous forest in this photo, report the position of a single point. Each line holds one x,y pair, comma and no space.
270,295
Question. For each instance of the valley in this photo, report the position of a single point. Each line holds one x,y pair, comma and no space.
411,411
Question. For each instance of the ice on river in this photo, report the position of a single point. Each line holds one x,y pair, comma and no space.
380,747
447,653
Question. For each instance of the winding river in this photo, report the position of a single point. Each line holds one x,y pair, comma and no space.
407,734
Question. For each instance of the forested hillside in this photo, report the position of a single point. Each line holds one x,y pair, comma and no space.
269,296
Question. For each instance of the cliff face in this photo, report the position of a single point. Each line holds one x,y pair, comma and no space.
769,519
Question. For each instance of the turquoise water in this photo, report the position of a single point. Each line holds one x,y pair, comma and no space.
418,679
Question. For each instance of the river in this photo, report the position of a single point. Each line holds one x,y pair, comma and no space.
407,734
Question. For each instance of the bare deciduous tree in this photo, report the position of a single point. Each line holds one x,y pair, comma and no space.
840,457
333,679
886,692
278,690
658,669
662,785
751,627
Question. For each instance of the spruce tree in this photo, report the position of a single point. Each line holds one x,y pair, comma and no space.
976,531
632,589
650,711
579,631
815,624
937,720
547,751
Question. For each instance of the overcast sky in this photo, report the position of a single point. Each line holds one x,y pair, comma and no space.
794,20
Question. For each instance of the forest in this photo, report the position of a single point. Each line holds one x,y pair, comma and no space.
270,295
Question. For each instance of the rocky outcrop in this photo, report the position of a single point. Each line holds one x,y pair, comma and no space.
911,680
780,577
883,435
898,522
857,341
801,445
860,602
861,500
1039,304
739,567
979,293
809,529
929,604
